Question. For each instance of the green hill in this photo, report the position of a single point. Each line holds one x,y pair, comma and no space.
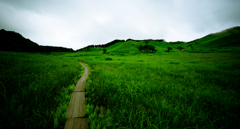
225,41
131,46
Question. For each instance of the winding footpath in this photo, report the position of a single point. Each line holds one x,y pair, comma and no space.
75,113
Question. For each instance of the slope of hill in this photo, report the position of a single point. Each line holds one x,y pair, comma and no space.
131,46
224,41
12,41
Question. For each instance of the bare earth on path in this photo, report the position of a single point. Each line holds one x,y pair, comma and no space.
75,112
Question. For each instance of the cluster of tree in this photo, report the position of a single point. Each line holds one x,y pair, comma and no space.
147,48
177,42
180,48
147,40
12,41
48,49
104,51
190,45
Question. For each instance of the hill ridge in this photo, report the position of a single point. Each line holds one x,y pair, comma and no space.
13,41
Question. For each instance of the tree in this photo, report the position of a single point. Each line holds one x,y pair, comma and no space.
146,47
104,50
169,48
180,48
88,48
140,48
152,48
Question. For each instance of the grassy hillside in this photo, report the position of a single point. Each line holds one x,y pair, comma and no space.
131,48
224,41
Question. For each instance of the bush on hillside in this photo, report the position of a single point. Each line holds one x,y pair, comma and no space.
108,59
104,50
147,48
140,48
169,48
180,48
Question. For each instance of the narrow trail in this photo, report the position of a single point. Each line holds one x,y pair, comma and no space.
75,113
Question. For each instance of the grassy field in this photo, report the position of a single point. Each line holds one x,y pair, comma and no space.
199,91
197,87
156,90
162,90
36,89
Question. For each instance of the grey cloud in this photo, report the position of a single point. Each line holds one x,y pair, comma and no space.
78,23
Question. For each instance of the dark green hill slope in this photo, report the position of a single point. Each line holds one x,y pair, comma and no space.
225,41
12,41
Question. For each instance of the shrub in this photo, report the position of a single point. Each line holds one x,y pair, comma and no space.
104,50
180,48
108,59
174,63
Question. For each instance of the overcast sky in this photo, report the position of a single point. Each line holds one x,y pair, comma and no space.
78,23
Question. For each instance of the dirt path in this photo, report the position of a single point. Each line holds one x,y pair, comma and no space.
75,113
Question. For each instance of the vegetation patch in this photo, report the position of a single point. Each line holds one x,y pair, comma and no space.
140,61
108,59
35,89
174,63
181,96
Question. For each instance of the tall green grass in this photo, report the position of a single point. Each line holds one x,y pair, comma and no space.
161,90
35,89
181,93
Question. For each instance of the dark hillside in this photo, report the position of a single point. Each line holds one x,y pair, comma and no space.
55,49
214,36
13,41
224,41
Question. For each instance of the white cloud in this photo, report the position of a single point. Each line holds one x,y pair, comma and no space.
78,23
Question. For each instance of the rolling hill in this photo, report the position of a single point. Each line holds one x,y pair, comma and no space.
225,41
